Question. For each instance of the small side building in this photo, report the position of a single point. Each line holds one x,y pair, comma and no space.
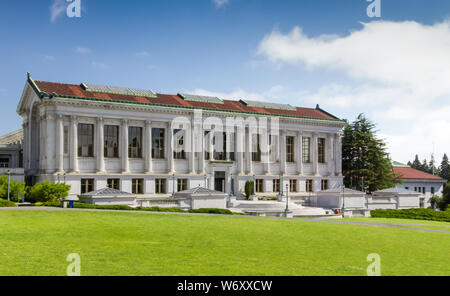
427,185
395,198
11,155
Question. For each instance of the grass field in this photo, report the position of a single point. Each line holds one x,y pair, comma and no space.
115,243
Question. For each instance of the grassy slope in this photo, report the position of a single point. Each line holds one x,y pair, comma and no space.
37,243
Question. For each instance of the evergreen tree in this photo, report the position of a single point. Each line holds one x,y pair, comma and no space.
364,158
424,167
444,169
416,163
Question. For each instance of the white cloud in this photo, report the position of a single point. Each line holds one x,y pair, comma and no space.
83,50
220,3
56,9
98,65
399,76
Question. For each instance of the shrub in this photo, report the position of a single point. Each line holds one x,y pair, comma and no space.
417,214
249,189
44,192
16,189
435,201
6,204
212,211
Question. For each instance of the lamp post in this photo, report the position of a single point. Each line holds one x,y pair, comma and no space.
9,180
231,193
64,178
206,185
343,201
173,183
287,198
281,185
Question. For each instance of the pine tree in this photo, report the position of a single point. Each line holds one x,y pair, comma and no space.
416,163
365,160
444,169
424,166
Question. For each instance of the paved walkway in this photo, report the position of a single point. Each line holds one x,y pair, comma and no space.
372,224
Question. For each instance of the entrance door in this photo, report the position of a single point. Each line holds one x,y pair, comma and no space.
219,181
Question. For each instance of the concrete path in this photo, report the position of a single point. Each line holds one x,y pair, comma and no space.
372,224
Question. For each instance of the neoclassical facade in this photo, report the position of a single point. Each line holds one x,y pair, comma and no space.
154,145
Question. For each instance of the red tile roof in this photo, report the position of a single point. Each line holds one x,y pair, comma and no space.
74,90
410,173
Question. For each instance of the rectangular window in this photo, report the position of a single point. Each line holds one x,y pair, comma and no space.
4,162
324,185
259,185
220,146
158,139
207,144
85,140
135,142
424,190
111,141
309,185
276,185
306,150
178,138
87,185
66,140
432,190
232,144
256,149
321,150
293,185
290,149
137,186
114,184
182,185
160,186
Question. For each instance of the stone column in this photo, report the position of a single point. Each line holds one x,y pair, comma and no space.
74,144
283,167
170,159
227,181
59,144
227,145
191,142
125,160
315,154
338,154
148,147
299,153
330,154
249,151
239,150
100,146
201,148
265,148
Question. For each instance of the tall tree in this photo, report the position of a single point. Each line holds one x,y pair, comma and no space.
365,162
416,163
444,169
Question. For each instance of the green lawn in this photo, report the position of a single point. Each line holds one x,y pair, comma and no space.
114,243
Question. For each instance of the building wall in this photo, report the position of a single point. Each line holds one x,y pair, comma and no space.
49,157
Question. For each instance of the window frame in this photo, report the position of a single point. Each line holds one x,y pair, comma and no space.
85,136
309,186
137,186
135,147
182,185
306,150
158,143
293,185
84,188
290,149
276,185
259,185
110,136
321,150
160,186
113,183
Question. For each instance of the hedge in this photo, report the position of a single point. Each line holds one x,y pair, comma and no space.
7,204
417,214
79,205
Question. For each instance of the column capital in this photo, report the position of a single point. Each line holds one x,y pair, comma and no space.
100,119
73,118
148,122
125,121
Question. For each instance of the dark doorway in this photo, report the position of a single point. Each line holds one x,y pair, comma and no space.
219,181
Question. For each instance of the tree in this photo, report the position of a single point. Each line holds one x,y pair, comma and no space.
445,200
444,169
416,163
365,162
43,192
16,189
249,189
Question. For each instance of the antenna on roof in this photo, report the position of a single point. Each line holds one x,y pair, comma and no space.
432,160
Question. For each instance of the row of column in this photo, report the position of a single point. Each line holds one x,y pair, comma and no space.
332,149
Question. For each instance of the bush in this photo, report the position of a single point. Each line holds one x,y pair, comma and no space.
45,192
7,204
417,214
249,189
212,211
16,189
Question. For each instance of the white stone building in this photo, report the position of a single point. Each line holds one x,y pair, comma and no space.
141,142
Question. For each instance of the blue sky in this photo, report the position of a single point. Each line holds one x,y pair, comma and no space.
305,52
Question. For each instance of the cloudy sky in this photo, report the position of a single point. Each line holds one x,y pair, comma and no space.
395,69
